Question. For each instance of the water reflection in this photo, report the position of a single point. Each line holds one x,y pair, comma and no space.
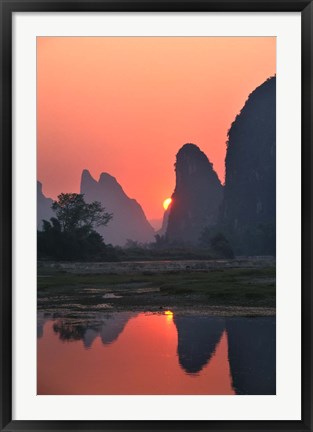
252,355
197,340
107,327
129,353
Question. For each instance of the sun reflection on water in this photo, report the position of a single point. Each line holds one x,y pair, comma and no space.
169,315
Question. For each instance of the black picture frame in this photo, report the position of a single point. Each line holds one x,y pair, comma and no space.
7,8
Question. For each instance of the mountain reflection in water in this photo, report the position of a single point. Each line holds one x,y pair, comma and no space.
137,353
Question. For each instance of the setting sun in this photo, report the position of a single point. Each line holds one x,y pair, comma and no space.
169,315
166,203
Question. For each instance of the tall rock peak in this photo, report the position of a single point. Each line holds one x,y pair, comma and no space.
87,178
191,163
196,198
110,183
105,177
249,207
190,149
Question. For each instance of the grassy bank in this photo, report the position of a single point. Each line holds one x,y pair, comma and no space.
237,287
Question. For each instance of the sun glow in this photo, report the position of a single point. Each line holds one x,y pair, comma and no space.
166,203
169,315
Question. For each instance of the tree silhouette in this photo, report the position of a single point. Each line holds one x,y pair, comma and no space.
73,212
71,234
217,242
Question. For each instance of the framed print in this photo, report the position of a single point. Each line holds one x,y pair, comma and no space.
156,215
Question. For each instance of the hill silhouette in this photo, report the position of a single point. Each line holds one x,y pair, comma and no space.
129,221
197,196
249,206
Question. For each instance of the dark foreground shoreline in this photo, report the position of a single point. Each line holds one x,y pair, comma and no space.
240,287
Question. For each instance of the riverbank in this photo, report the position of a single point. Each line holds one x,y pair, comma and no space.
224,288
156,266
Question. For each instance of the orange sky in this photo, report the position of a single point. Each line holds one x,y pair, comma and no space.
125,105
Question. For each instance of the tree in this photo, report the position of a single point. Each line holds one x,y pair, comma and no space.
71,234
221,246
160,242
73,212
217,242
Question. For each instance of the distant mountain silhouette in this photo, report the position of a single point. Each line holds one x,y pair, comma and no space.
196,198
44,210
249,206
129,220
162,230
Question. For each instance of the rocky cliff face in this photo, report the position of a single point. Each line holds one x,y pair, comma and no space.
249,207
129,220
44,204
196,198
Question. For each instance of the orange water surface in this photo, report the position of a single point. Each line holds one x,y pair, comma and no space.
141,359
